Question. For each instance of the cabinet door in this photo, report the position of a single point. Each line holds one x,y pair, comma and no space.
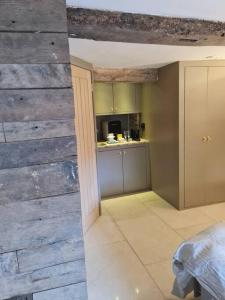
196,131
124,98
216,136
135,169
110,172
103,98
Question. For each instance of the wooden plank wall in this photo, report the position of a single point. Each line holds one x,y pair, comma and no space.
41,240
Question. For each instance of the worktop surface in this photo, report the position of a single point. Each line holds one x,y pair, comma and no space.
102,146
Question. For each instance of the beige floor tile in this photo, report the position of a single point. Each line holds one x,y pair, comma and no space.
163,276
151,238
215,211
115,273
127,207
104,231
189,232
175,218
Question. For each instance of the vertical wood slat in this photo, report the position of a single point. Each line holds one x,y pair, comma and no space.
86,150
2,138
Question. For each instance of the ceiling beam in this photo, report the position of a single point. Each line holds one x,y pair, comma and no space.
146,29
126,75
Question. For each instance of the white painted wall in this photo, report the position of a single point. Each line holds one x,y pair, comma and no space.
126,55
203,9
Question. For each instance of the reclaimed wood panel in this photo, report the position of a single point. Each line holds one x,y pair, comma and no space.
34,152
102,25
26,297
45,208
71,292
43,279
39,232
22,131
125,75
28,76
8,264
38,181
50,255
2,137
33,15
19,48
36,105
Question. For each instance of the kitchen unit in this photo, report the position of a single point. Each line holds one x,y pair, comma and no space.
187,121
123,168
116,98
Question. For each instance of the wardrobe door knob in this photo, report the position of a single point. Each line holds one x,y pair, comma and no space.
204,139
209,138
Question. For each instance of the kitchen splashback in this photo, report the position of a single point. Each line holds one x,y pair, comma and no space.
128,121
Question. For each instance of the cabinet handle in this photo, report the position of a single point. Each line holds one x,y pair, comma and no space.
204,139
120,152
124,152
116,108
112,109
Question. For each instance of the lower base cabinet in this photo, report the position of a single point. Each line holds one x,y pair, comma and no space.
123,170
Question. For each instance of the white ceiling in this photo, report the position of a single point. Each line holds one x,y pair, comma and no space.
203,9
126,55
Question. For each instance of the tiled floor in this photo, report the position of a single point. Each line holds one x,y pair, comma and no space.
129,249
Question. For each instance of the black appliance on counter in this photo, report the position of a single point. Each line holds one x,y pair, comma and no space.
114,127
135,134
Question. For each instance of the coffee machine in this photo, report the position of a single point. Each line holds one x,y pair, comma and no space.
114,127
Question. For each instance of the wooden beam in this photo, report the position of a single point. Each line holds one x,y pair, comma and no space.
129,75
146,29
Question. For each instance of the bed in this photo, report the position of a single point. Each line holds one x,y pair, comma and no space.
199,265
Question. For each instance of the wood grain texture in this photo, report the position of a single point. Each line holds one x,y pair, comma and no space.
19,48
86,149
71,292
2,137
21,131
27,153
39,232
28,76
125,75
36,105
43,279
8,264
140,28
50,255
25,297
40,209
38,181
33,15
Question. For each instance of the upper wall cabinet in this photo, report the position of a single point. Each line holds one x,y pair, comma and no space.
124,97
103,98
117,98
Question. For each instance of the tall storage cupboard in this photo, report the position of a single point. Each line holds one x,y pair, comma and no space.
194,129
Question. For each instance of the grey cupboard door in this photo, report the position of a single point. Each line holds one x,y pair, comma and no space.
216,135
103,98
135,169
124,97
110,172
196,131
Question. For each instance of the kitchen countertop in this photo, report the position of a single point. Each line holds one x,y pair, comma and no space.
102,146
